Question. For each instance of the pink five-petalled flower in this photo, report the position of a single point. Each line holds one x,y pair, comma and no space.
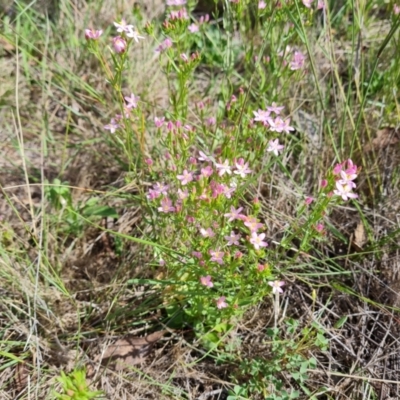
275,147
275,109
206,281
207,232
276,286
297,61
119,44
131,101
242,168
166,205
252,223
223,168
91,34
344,190
186,177
221,303
235,214
233,238
257,240
112,126
308,3
216,256
279,125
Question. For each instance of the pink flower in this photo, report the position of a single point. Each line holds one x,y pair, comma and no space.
206,281
321,4
223,168
176,2
193,28
235,214
197,254
309,200
159,122
257,240
166,44
119,44
275,147
184,57
275,109
166,205
217,256
91,34
183,194
123,26
242,168
396,9
344,190
308,3
131,101
186,177
161,188
279,125
319,227
261,5
203,157
211,121
252,223
207,171
207,232
221,303
324,183
112,126
298,61
261,116
277,286
233,239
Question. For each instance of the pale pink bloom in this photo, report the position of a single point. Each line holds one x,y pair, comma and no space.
183,194
227,191
197,254
337,168
217,256
204,19
161,188
206,281
203,157
277,286
261,5
119,44
252,223
321,4
319,227
152,194
207,232
221,303
257,240
347,179
396,9
180,14
193,28
298,61
223,168
123,26
159,122
308,3
166,205
211,121
309,200
164,45
324,183
184,57
112,126
275,109
235,214
261,116
275,147
176,2
149,161
186,177
242,168
207,171
232,239
279,125
91,34
131,101
234,1
133,34
344,190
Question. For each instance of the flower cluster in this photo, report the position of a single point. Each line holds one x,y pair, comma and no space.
346,173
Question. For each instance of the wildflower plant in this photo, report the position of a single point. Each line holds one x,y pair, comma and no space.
216,248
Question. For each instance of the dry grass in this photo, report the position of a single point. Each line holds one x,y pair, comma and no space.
66,297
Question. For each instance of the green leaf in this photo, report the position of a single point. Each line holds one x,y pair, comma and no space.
101,211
